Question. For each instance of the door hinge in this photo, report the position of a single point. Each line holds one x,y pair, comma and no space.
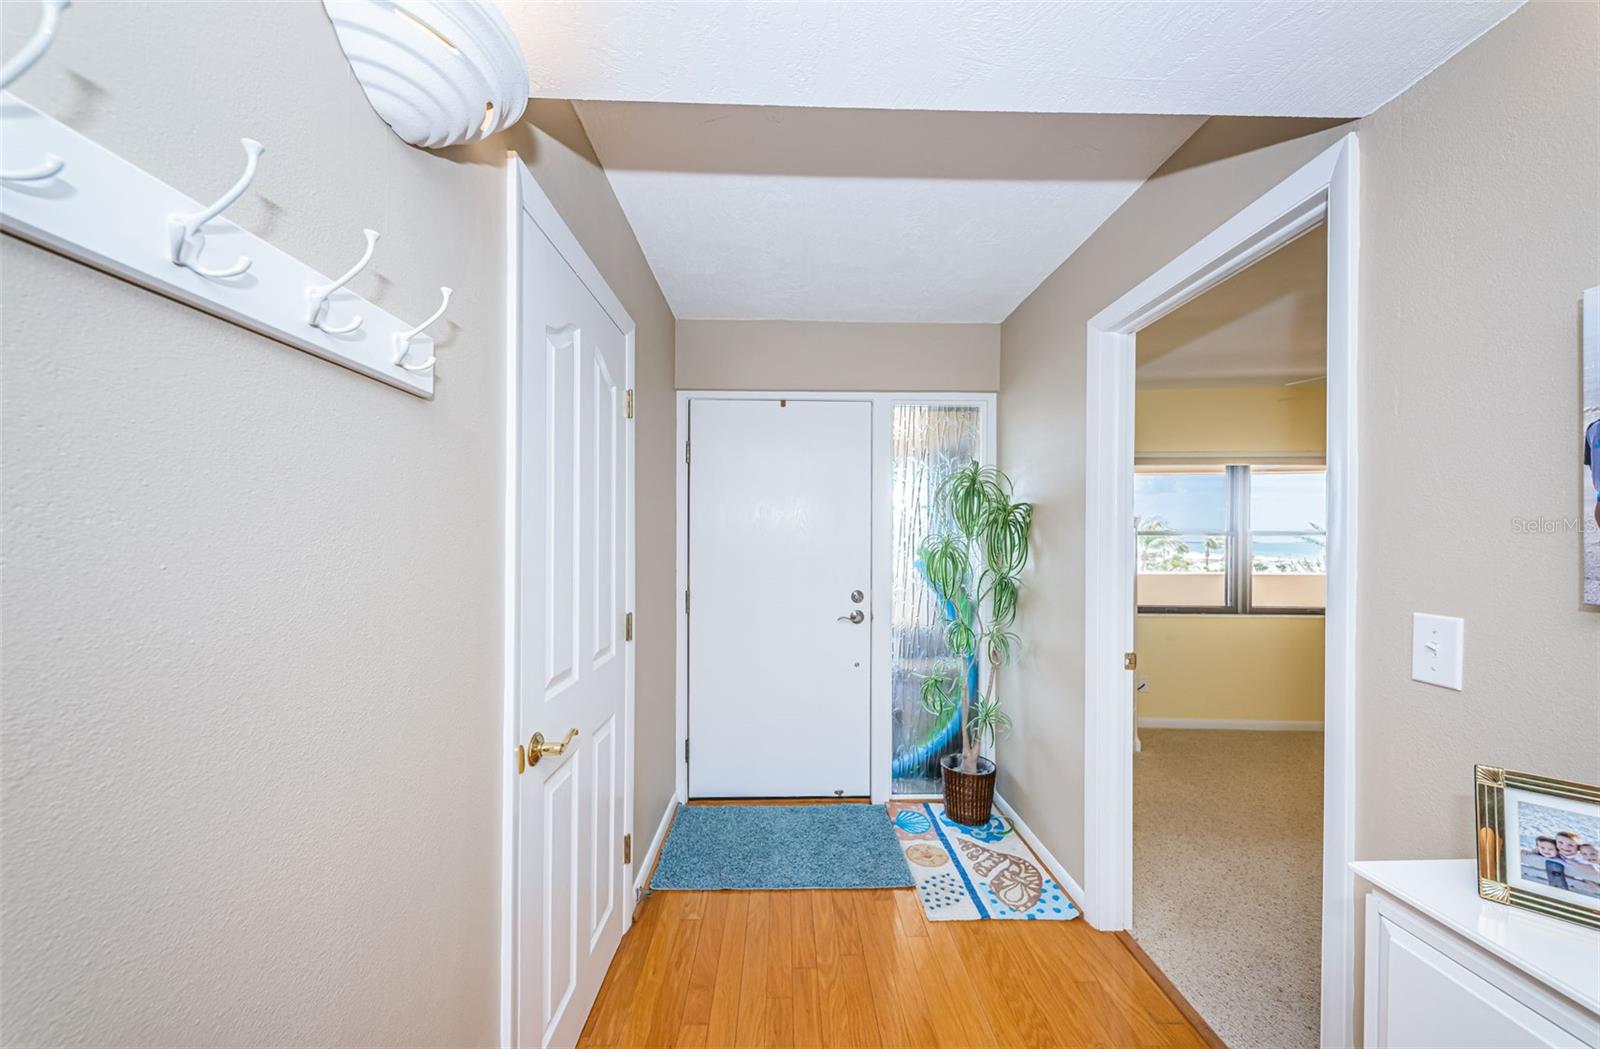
627,627
686,453
686,750
522,759
686,602
630,404
627,848
1130,661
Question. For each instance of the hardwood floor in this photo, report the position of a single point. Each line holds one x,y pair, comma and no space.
863,968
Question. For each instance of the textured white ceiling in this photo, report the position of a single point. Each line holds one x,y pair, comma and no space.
1261,58
865,215
1267,324
932,161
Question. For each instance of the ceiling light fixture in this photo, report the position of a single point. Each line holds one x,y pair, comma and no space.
440,72
407,16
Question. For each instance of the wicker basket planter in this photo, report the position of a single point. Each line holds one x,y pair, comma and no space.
968,796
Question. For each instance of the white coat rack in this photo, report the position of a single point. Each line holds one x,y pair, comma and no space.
68,193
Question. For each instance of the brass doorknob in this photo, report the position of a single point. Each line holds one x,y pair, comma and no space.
538,746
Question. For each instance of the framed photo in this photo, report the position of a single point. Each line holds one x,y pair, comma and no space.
1539,844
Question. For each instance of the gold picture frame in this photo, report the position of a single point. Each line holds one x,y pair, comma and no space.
1501,882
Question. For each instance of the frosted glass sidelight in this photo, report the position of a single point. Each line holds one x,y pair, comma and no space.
929,442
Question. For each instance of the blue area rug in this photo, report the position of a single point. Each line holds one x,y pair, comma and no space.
781,847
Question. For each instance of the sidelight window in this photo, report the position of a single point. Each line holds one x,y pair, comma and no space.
929,441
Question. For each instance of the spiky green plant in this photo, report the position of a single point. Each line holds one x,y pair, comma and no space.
974,568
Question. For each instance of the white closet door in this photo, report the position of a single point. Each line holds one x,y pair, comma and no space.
571,663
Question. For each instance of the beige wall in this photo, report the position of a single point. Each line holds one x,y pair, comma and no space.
252,648
1480,229
1480,192
826,355
1286,419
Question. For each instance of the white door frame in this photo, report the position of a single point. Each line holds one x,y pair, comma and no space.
1324,189
523,193
882,717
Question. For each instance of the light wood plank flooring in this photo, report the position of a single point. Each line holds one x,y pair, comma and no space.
863,968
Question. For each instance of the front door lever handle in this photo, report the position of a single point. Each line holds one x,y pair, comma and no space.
854,617
539,747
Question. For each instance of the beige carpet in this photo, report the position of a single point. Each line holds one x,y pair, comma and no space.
1227,876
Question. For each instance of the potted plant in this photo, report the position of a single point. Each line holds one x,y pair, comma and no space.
972,562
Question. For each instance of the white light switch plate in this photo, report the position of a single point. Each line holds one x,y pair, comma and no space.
1436,644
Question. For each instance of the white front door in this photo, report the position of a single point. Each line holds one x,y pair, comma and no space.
780,579
572,510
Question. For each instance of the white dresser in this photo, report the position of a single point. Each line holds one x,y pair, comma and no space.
1447,969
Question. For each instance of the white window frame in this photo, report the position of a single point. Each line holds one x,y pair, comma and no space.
882,717
1238,555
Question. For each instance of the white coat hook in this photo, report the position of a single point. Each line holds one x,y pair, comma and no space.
38,43
317,295
402,340
183,231
49,167
32,51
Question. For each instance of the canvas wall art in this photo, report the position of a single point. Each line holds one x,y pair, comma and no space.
1589,423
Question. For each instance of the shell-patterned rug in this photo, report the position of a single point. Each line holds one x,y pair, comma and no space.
974,873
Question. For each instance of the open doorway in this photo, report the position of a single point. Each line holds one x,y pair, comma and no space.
1324,191
1230,505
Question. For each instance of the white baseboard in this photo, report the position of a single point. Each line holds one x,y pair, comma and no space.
648,862
1057,871
1232,724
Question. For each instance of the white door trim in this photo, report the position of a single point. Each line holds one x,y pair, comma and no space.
524,193
1324,188
882,756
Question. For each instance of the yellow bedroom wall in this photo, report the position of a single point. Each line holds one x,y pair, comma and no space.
1220,667
1280,419
1247,668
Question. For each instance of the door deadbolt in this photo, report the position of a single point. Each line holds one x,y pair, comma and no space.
857,596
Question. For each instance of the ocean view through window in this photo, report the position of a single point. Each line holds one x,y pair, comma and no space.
1231,538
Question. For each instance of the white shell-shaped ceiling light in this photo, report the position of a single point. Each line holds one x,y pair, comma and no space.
439,73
